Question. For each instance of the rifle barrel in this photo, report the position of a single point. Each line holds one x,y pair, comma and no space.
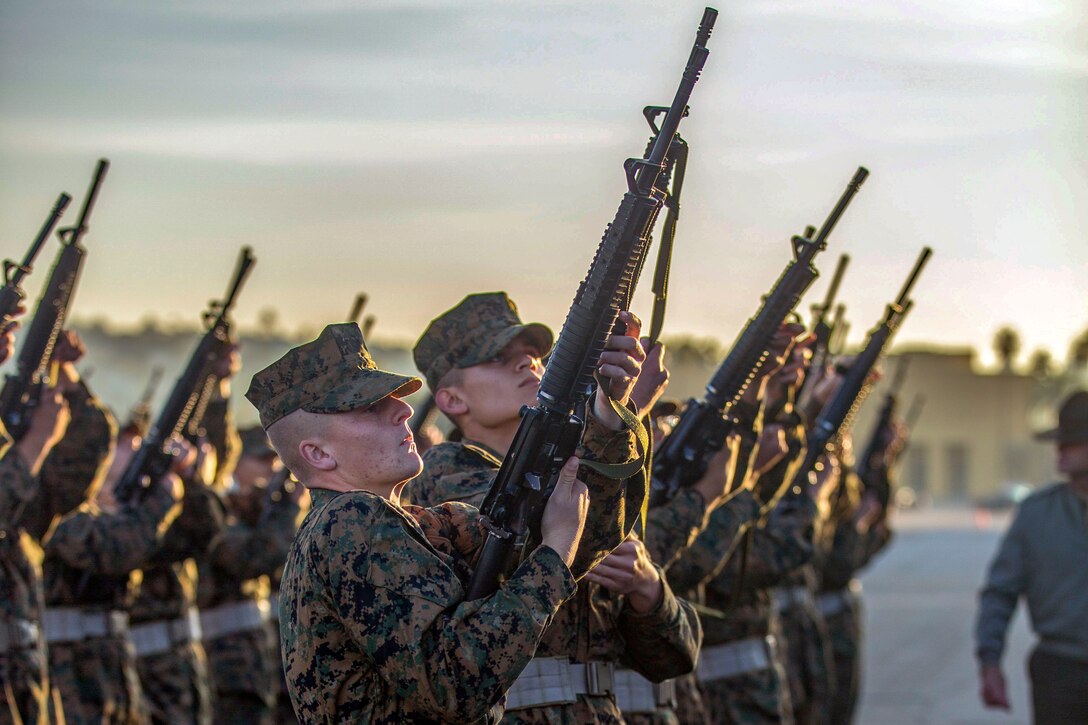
923,257
851,189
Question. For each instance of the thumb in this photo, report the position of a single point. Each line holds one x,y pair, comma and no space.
568,474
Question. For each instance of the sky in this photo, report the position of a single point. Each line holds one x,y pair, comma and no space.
424,150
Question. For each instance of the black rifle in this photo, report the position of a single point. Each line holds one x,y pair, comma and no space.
139,420
152,460
12,293
682,458
550,431
877,445
843,405
19,397
840,327
368,326
357,308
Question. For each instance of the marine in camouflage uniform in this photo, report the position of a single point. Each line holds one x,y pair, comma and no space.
595,628
848,546
23,669
24,682
373,619
165,620
92,665
243,656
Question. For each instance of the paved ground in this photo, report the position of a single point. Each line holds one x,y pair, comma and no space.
920,599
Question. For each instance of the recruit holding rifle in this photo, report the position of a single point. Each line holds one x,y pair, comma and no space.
702,429
549,432
22,390
153,459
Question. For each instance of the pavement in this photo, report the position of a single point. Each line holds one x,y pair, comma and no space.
920,598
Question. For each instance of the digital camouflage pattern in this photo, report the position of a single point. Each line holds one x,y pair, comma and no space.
594,625
23,674
174,686
331,374
712,547
672,527
245,666
374,623
95,678
810,666
475,330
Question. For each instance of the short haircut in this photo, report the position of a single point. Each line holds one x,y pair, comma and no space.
286,433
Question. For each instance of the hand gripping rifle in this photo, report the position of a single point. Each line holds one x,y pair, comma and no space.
852,392
21,391
12,293
878,441
682,458
550,431
152,460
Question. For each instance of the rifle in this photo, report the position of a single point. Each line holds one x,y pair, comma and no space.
872,459
682,458
357,308
843,406
368,326
179,413
140,417
550,431
19,397
824,327
840,327
12,293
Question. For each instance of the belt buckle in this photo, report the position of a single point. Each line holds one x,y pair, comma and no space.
600,678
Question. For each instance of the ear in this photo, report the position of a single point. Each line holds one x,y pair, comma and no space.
315,455
450,401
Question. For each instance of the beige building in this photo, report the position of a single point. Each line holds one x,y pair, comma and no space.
974,437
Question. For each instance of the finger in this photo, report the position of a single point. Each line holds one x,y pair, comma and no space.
623,342
629,363
609,584
634,324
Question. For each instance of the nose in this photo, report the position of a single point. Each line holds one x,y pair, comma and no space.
401,411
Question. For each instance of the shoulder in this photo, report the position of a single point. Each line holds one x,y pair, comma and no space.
453,472
1043,498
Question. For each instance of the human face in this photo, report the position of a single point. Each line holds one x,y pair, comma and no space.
253,472
373,446
1073,459
496,390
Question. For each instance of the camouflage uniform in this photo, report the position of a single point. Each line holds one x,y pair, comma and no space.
244,663
846,552
89,555
594,627
373,619
166,631
770,553
23,672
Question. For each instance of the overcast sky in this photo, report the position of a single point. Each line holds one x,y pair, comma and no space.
423,150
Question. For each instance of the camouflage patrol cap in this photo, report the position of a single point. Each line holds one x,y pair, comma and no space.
331,374
474,331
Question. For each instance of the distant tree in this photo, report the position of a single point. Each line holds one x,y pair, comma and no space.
268,322
1041,365
1078,351
1007,347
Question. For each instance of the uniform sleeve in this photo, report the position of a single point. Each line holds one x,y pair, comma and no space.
614,505
783,544
1005,582
112,543
249,552
452,528
454,663
197,529
673,527
222,434
81,458
663,643
714,545
17,487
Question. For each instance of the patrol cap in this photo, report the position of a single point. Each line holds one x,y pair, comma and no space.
1072,421
331,374
255,443
474,331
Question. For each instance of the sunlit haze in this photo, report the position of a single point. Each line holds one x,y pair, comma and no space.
422,150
